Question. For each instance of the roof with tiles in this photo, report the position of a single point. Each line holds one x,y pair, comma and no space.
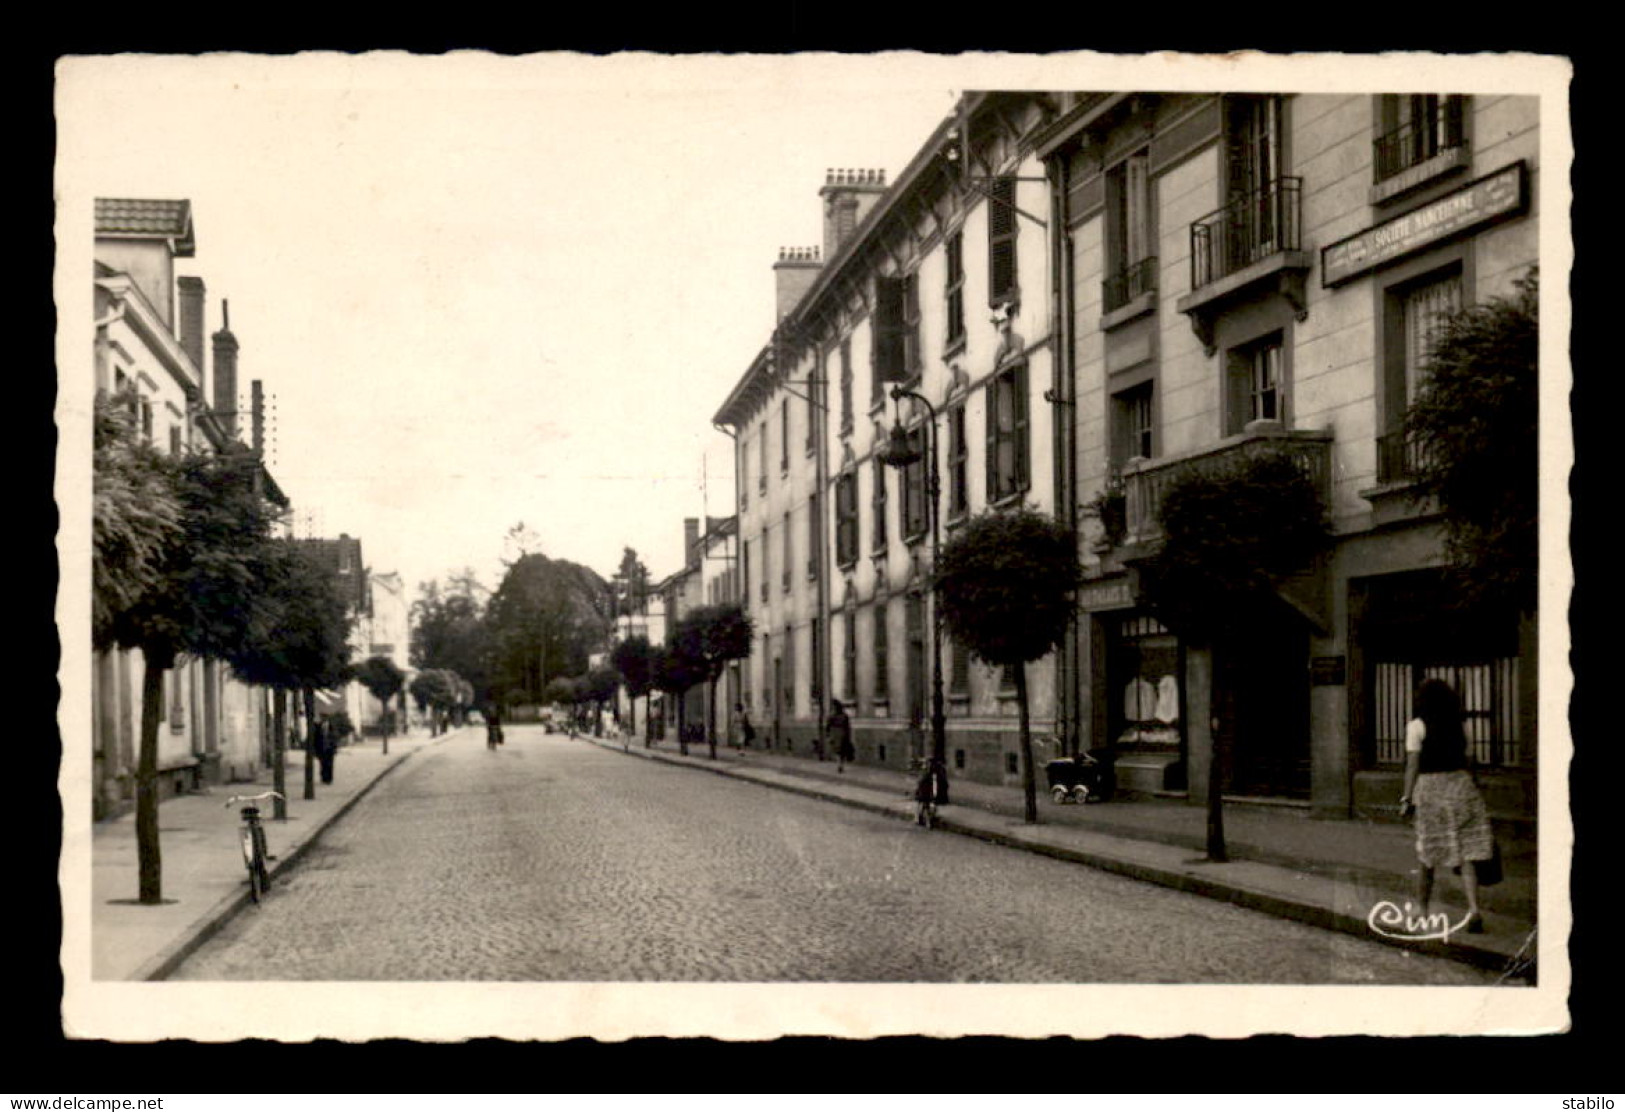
126,218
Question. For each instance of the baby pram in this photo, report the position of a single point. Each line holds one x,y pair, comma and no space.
1077,779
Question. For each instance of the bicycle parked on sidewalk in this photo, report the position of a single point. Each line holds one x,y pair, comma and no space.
252,837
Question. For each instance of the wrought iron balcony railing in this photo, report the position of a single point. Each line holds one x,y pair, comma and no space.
1249,228
1118,290
1147,481
1419,140
1399,457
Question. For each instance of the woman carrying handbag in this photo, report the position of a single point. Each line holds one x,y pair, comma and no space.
1452,822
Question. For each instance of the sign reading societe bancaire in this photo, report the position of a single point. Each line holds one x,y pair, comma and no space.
1500,194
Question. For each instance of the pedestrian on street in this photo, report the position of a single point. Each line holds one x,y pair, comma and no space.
1452,822
493,728
743,730
840,732
931,792
326,746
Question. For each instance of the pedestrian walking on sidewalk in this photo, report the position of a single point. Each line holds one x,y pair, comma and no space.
326,744
1452,821
931,792
743,730
840,732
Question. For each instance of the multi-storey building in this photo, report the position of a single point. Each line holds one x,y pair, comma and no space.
149,349
1244,271
939,285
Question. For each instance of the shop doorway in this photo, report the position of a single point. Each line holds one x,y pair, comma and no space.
1264,700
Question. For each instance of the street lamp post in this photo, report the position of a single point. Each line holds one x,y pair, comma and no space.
899,452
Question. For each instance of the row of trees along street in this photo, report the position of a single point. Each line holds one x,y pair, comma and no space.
185,564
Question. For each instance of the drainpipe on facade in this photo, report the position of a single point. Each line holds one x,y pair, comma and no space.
1064,416
737,692
820,416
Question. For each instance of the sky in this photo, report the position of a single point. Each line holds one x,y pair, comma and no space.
483,291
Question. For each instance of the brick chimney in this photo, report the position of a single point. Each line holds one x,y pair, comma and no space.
191,330
691,540
848,196
793,275
225,371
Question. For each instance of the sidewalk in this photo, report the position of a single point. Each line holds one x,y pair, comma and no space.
1328,873
204,882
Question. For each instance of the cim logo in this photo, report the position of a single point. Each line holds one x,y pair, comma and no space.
1393,921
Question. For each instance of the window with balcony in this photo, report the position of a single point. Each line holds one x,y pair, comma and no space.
896,351
1414,131
846,519
1131,268
877,542
1257,384
1002,228
1414,316
814,388
915,523
958,464
766,556
954,294
1260,216
1007,434
784,435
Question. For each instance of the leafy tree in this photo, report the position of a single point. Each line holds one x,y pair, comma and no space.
298,642
178,575
598,688
710,637
1476,427
673,671
435,691
1231,535
379,675
450,630
633,659
629,588
1004,583
545,619
136,516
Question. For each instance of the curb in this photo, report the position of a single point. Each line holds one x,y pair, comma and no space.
170,957
1280,907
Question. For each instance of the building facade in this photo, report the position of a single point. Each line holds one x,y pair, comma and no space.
939,285
1267,272
149,350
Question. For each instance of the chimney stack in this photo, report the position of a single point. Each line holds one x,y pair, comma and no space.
848,195
191,331
793,275
691,540
258,410
225,371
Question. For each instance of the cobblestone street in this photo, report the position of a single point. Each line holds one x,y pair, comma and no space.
554,860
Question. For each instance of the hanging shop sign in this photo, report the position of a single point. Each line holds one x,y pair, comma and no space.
1501,194
1328,671
1115,594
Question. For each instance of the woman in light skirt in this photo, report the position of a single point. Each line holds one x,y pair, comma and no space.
1452,822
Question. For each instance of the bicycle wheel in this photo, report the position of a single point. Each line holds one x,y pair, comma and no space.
259,881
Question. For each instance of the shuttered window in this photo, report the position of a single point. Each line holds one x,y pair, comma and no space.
1001,241
878,540
896,351
846,518
1007,434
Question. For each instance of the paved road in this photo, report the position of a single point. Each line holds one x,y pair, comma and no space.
553,860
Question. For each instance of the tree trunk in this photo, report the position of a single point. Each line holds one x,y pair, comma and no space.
149,859
682,723
310,743
1218,769
383,723
711,716
1029,785
279,753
